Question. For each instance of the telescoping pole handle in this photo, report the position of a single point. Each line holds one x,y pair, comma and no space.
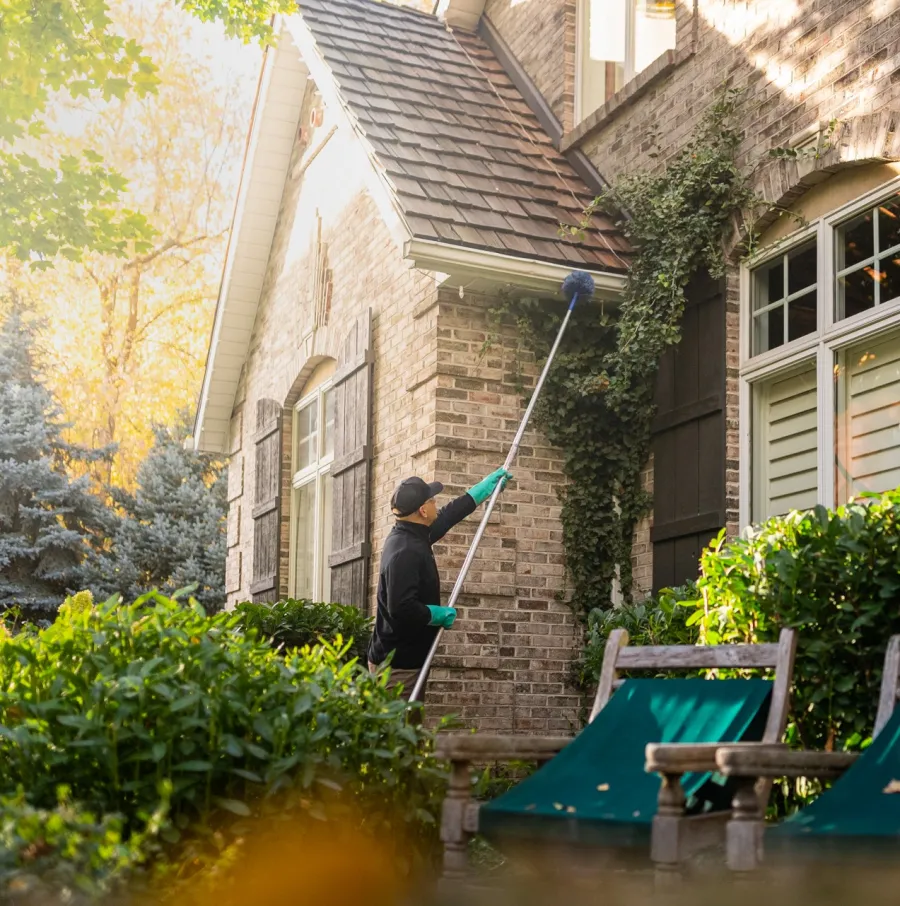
581,285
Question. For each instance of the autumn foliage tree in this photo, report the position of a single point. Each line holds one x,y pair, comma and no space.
62,203
127,330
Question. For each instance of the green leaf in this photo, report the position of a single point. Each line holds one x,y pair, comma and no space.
193,766
235,806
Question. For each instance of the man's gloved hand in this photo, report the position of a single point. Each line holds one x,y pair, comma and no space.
442,616
486,486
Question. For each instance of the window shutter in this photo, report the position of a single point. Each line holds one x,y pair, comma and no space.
689,438
267,496
869,455
350,469
785,434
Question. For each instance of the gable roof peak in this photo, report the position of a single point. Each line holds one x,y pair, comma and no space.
465,157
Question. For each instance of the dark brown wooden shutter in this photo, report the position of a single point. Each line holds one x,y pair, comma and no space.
267,496
349,559
689,439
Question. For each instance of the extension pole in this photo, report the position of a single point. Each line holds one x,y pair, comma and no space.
579,283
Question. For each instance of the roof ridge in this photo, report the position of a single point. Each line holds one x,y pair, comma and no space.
387,4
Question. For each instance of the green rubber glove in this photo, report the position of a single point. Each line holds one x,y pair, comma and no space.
486,486
442,616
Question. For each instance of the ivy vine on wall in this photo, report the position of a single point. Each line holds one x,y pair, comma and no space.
598,403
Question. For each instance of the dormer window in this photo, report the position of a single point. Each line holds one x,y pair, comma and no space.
617,40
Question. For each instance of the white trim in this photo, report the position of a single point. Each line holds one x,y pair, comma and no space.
524,273
250,239
314,473
825,430
825,346
462,14
745,452
826,263
785,356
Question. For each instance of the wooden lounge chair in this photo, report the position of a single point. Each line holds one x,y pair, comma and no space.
858,816
593,790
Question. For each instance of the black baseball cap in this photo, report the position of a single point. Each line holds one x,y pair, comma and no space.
413,493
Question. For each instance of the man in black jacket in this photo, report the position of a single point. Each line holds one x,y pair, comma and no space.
409,587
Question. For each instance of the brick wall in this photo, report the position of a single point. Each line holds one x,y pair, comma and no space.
441,410
507,661
368,270
541,36
801,64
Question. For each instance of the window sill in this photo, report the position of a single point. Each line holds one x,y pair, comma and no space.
662,67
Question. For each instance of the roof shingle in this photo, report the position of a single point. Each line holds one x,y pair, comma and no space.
468,160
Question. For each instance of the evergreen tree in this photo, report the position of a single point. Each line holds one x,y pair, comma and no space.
171,531
48,521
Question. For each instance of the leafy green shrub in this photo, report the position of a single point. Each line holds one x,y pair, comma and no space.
294,623
835,577
115,701
64,855
659,620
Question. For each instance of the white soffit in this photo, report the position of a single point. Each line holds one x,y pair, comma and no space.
464,14
482,271
273,132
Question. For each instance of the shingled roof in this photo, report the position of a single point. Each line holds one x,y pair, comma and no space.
468,160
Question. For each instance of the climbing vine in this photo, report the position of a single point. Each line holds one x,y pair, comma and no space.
598,403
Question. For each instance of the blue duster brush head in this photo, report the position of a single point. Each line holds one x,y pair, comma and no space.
578,283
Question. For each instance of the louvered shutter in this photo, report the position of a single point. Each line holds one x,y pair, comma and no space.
785,434
689,438
869,423
267,497
350,469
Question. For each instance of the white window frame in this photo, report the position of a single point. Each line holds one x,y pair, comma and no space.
316,472
582,36
830,337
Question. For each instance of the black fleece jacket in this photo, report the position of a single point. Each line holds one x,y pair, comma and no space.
407,584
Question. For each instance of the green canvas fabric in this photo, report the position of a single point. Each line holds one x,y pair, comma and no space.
597,791
856,807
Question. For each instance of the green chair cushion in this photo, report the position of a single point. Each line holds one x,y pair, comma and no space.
597,791
857,806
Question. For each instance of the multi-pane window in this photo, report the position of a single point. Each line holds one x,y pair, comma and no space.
868,260
784,299
617,40
821,369
311,494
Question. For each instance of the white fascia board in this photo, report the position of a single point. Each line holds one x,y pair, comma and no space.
266,162
527,274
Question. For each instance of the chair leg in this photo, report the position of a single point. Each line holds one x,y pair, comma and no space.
744,834
666,844
453,832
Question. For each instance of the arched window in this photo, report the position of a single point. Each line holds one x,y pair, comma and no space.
311,487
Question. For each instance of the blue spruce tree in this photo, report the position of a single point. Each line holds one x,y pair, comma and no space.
49,522
171,531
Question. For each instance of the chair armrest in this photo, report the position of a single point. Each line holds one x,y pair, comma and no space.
682,757
484,747
777,761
